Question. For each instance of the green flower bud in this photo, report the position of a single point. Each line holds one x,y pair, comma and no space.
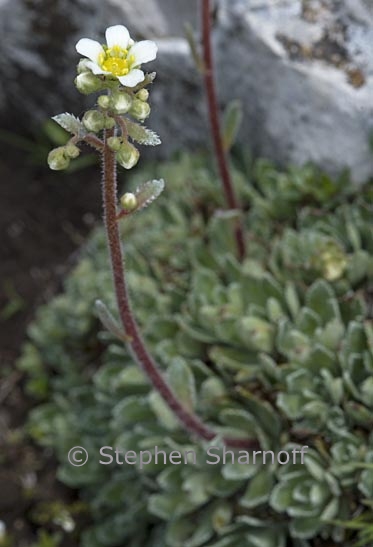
143,95
127,156
71,150
94,121
109,122
121,102
57,159
83,66
128,201
140,110
334,264
331,260
104,101
114,143
87,83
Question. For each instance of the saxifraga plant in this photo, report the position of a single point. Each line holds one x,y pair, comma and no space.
278,347
115,69
275,351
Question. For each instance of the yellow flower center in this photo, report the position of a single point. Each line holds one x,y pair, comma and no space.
116,60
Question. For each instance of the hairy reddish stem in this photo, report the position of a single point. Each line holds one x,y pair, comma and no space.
213,108
122,124
189,420
94,141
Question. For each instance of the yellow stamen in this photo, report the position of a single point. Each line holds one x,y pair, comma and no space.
116,61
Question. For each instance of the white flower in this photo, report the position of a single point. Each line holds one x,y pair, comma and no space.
121,57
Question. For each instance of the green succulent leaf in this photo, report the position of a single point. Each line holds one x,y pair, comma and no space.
259,489
182,382
257,334
278,349
305,528
163,412
321,299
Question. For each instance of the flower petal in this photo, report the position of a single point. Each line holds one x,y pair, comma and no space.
117,35
89,48
133,78
96,69
143,52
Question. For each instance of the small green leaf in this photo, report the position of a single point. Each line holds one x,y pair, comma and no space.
232,120
292,299
281,497
366,483
259,489
189,34
182,382
267,537
256,334
307,321
321,299
291,404
164,414
264,415
70,123
148,192
170,505
305,528
196,487
108,321
142,134
240,420
131,410
239,469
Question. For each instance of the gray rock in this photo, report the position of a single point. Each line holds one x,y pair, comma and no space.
299,109
177,99
304,71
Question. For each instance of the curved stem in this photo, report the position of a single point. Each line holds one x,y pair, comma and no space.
136,344
122,124
94,141
213,108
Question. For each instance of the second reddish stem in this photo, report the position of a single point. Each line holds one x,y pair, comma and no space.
213,108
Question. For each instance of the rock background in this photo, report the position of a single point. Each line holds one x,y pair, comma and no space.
303,70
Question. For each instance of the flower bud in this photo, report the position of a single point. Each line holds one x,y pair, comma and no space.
57,159
104,101
143,95
333,262
71,150
87,83
114,143
109,122
127,156
83,66
93,121
140,110
121,102
128,201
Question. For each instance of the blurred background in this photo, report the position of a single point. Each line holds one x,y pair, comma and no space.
303,70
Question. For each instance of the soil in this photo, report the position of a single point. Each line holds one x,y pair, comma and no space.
44,219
